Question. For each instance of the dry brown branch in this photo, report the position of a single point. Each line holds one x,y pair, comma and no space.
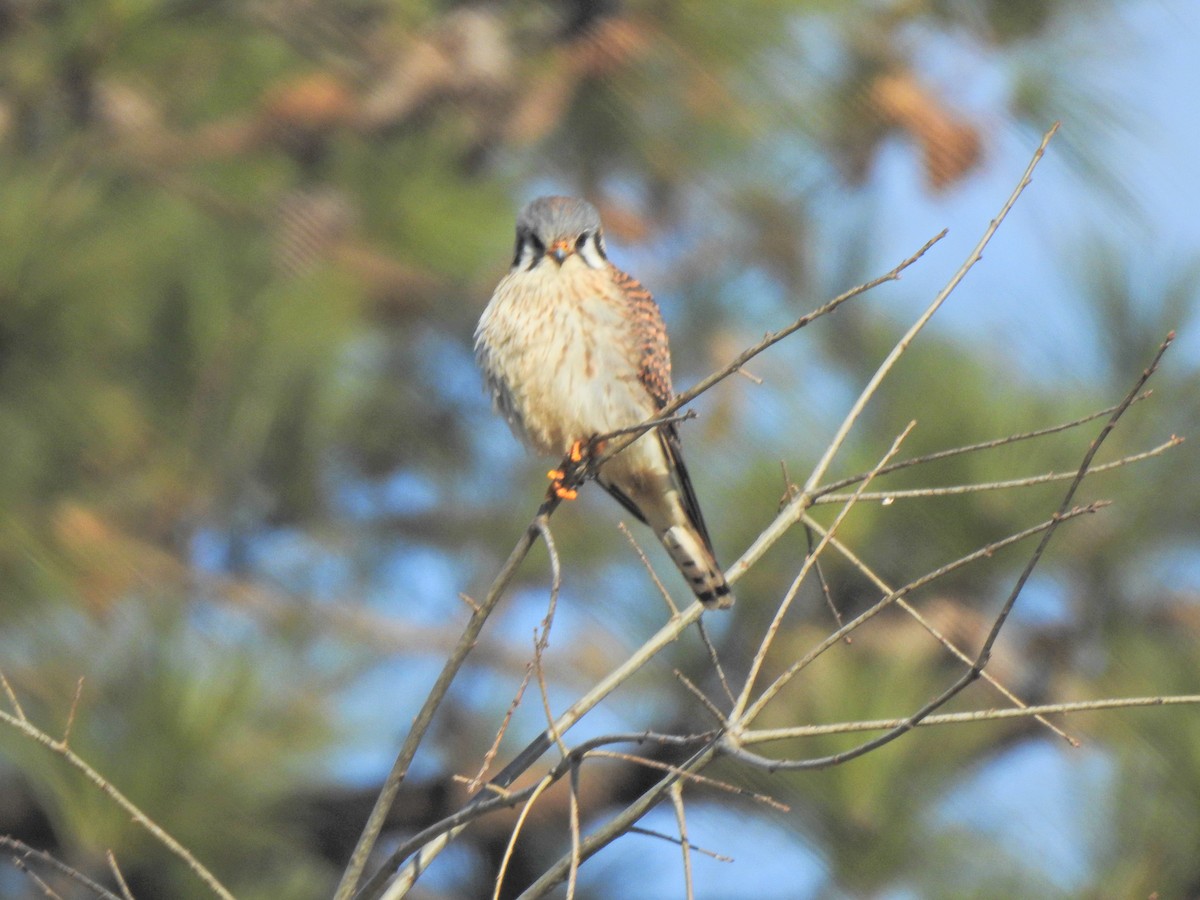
512,839
540,643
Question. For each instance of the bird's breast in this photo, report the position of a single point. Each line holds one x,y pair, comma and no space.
558,352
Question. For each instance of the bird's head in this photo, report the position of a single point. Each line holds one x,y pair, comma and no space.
557,228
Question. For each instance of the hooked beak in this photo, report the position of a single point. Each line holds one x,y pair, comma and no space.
559,251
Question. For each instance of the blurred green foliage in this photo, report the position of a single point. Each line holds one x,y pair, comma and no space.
245,461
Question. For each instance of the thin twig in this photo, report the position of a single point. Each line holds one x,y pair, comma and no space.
27,852
541,641
33,876
985,552
494,796
544,691
974,448
712,708
649,832
715,659
573,783
662,590
800,503
688,775
12,698
730,745
66,738
676,794
642,427
820,570
512,838
777,621
1028,481
764,735
474,782
117,876
1068,498
27,728
618,824
913,612
391,786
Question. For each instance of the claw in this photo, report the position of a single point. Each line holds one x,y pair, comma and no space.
562,492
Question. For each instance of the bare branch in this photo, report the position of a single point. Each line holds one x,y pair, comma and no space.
929,627
792,512
729,744
391,786
512,840
29,730
1028,481
785,604
676,793
715,659
662,591
26,853
712,708
117,876
984,552
575,831
974,448
764,735
12,698
719,857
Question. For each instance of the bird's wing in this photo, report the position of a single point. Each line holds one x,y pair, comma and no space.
654,372
650,334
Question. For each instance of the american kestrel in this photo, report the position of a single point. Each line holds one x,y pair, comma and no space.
573,348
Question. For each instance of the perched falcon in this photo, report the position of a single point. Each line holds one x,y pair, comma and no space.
573,348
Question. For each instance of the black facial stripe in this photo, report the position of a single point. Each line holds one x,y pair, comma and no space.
526,238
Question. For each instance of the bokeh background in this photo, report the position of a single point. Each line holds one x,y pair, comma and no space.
247,464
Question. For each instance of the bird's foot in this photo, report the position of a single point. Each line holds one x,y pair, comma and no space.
562,478
558,485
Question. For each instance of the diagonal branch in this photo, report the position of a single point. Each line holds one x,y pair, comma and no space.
796,507
391,786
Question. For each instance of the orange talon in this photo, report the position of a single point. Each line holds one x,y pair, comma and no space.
565,493
556,474
576,453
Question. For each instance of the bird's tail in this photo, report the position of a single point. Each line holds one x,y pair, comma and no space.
690,553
